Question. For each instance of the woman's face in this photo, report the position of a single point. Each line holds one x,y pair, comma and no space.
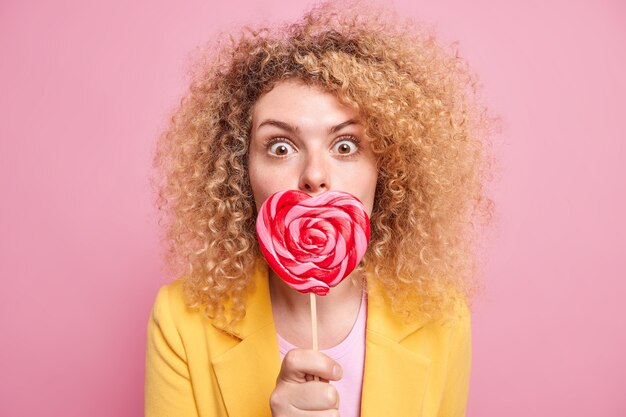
304,139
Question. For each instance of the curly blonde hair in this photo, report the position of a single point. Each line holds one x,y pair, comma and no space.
418,102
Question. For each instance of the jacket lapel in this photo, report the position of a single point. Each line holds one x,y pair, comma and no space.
394,381
395,378
248,370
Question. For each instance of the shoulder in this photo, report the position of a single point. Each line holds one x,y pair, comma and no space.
171,314
383,319
170,300
188,326
169,308
436,338
169,317
454,324
172,305
459,315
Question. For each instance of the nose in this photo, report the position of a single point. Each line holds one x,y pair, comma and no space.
315,177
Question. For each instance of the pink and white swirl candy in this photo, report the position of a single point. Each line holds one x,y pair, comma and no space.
313,243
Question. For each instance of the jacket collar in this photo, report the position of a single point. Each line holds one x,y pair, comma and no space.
395,377
248,370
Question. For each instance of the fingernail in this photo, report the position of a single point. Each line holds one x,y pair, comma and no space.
337,372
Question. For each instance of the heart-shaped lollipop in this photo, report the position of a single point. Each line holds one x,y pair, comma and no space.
313,243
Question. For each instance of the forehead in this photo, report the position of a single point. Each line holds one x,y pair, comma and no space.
300,103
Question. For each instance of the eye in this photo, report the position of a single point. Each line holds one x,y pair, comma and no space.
345,147
281,148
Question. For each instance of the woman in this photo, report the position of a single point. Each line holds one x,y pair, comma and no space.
345,100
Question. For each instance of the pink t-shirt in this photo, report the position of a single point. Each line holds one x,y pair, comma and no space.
350,353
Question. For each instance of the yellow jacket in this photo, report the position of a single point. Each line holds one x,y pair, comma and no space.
195,369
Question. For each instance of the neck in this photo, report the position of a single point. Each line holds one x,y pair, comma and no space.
336,311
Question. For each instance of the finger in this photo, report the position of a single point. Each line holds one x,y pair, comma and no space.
310,377
314,396
300,362
322,413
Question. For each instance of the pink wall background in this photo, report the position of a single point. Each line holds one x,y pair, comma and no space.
85,88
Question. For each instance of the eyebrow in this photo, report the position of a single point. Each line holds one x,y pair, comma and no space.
295,129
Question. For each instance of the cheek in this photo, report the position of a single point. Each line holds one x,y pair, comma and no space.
370,193
366,186
259,186
266,179
255,176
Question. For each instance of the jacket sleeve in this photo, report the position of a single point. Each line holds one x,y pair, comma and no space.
456,390
168,389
